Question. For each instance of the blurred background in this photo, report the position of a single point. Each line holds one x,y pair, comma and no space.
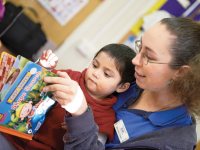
76,29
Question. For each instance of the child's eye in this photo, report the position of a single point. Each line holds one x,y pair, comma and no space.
94,65
107,75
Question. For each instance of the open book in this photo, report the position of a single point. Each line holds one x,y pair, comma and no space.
23,105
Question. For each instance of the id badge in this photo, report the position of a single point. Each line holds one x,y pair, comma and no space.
121,131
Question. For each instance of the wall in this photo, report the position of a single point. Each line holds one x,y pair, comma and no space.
110,21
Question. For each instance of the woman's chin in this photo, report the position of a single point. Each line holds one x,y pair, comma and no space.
140,84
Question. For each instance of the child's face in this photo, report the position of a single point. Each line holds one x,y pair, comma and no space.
102,77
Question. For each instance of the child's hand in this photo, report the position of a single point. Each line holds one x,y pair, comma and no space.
67,92
48,59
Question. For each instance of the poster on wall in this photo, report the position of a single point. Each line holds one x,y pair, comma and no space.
63,10
183,8
163,9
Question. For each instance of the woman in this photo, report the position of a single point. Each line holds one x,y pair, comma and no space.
157,111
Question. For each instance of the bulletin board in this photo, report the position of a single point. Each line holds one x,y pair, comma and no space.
63,10
54,31
177,8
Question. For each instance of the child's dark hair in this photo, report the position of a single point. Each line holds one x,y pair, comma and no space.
123,56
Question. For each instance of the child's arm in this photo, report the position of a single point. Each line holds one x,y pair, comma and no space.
48,59
67,92
82,129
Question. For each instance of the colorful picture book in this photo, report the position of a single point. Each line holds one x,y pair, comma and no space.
23,105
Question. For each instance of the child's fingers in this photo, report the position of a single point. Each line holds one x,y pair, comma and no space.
55,58
51,56
61,94
52,60
63,74
57,87
63,79
68,96
46,54
55,80
62,101
53,87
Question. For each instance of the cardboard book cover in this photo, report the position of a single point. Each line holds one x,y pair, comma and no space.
16,68
24,106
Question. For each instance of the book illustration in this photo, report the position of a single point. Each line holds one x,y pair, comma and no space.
6,62
18,65
23,108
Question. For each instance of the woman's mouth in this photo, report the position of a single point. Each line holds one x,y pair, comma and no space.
139,76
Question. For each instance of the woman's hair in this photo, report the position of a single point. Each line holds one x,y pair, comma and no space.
185,50
123,56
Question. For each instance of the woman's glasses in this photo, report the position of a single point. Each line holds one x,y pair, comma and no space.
144,56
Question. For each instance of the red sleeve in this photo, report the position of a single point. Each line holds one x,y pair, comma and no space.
74,75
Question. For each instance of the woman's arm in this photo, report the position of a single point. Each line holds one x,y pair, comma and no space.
82,133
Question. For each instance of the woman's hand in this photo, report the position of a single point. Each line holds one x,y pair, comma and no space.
67,92
48,59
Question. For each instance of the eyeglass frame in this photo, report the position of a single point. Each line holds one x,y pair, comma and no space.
138,49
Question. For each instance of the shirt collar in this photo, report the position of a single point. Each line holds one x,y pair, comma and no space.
126,98
178,115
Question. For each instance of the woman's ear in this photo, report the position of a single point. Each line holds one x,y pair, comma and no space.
182,71
122,87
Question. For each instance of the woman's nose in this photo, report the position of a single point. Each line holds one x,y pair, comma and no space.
137,60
